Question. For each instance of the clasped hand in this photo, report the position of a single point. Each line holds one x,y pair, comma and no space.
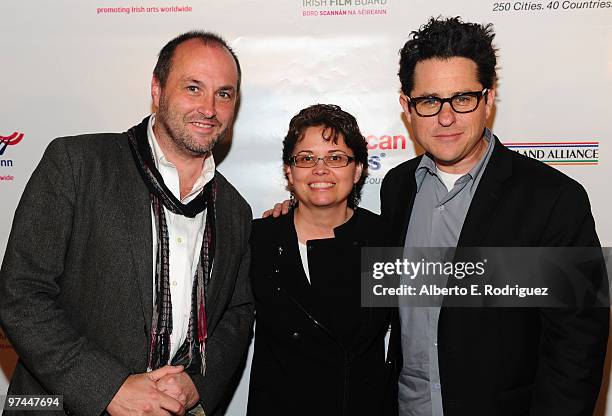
165,391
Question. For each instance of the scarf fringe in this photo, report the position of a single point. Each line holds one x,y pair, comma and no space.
193,351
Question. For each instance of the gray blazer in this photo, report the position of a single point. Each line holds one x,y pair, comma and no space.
76,280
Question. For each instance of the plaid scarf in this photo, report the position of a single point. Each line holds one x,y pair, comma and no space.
192,353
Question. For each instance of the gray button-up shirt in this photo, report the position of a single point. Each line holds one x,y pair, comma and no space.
436,221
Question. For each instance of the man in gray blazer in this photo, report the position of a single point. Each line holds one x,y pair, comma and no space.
124,283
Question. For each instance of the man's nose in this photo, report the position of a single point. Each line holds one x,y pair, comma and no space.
207,106
446,116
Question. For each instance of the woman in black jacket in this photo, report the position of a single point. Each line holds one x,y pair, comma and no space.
317,351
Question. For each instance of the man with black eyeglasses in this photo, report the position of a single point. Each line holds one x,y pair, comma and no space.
468,190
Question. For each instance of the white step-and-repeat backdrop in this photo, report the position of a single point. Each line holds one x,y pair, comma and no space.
71,67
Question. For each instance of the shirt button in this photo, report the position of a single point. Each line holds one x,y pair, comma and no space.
174,283
179,240
441,208
437,386
435,344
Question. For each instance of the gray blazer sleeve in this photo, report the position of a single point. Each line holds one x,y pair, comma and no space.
62,359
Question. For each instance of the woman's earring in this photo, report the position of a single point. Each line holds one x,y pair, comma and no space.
292,200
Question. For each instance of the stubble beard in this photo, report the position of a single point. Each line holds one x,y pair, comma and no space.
176,127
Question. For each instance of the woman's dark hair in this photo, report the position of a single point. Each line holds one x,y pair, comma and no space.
336,122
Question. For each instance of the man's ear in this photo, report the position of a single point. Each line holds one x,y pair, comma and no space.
403,100
489,102
155,91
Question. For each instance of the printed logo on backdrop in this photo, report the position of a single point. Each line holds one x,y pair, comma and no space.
559,153
8,360
339,8
4,343
131,9
379,149
549,6
6,146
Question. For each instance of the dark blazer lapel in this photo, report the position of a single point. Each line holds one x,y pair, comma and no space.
407,201
292,275
135,201
282,253
485,203
404,203
224,238
294,278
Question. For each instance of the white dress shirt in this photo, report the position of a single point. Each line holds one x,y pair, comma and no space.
184,240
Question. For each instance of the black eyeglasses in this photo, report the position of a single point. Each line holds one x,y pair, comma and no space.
464,102
306,160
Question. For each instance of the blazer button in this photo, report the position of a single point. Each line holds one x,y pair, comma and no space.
296,336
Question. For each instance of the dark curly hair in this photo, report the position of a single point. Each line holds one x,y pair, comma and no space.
164,61
447,38
336,122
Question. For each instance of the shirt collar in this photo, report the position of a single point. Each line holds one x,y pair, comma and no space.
164,165
427,164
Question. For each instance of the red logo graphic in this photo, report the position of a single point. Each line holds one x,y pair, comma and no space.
386,142
11,140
